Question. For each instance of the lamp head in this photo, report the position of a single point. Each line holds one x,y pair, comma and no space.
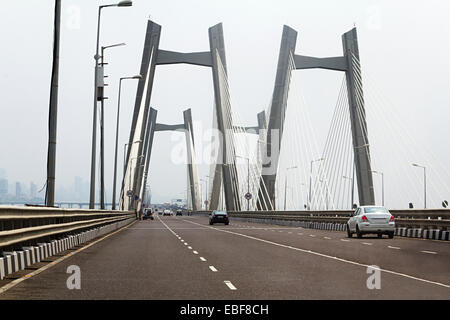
125,3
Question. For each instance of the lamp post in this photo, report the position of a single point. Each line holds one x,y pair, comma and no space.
382,185
285,185
310,181
124,3
117,139
125,165
424,183
206,192
304,205
248,179
351,179
102,128
129,183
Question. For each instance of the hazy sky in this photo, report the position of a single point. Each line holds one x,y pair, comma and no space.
404,46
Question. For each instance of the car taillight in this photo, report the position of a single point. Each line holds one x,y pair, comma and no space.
392,218
364,218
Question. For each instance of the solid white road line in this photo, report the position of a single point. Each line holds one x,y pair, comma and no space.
325,255
203,259
213,269
429,252
230,285
396,248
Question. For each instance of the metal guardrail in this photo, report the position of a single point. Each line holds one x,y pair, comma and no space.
20,224
420,218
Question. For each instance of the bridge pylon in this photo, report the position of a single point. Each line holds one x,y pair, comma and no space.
348,63
215,59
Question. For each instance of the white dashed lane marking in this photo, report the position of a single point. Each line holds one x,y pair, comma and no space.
367,243
213,269
328,238
429,252
396,248
230,285
190,248
203,259
346,240
195,252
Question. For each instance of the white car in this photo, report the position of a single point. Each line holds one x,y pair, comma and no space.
371,220
167,212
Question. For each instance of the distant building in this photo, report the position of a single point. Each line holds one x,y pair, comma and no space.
33,190
18,190
2,173
3,187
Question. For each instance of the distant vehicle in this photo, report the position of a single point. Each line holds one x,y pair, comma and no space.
167,212
218,216
148,214
159,212
179,212
371,220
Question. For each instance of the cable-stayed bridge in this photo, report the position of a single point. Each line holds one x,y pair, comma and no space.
288,197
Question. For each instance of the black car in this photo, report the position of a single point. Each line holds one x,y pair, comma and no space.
218,216
179,213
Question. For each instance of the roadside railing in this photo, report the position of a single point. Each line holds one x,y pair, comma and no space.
410,218
22,224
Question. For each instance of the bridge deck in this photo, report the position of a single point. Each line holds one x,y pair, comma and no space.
147,260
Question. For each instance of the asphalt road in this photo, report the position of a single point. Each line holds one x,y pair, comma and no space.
185,258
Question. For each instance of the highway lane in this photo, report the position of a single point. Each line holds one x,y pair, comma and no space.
144,261
275,270
185,258
416,257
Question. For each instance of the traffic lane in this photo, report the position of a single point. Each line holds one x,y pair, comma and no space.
264,270
410,256
407,244
144,261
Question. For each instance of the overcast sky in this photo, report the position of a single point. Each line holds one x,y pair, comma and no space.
404,46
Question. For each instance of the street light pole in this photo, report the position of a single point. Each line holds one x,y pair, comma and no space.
117,140
285,185
310,182
206,206
53,111
123,3
382,185
248,179
129,183
424,183
352,182
102,129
